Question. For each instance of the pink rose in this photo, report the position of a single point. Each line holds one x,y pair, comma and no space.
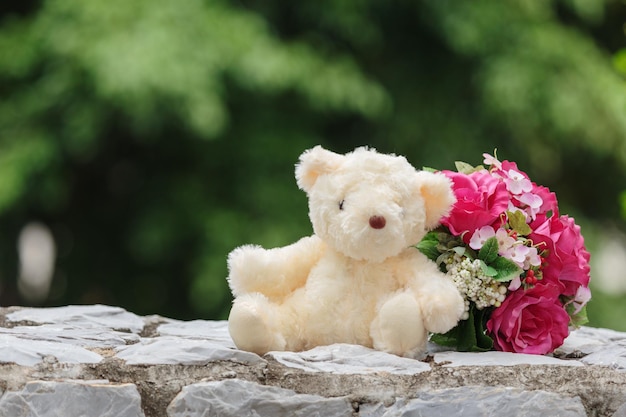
529,321
481,199
567,263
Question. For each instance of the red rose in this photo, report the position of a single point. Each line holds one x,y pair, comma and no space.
530,321
481,199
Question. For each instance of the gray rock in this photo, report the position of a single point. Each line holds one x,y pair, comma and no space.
171,350
72,399
30,352
82,316
349,359
80,336
480,402
101,343
596,347
620,412
588,340
451,359
216,331
612,356
242,399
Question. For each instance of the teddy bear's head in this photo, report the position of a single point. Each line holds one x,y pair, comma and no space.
370,206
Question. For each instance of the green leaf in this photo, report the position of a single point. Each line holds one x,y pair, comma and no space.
468,335
446,339
429,169
465,168
459,250
507,269
429,246
483,341
517,221
489,251
578,319
488,270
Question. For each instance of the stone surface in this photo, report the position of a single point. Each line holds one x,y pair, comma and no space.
349,359
73,335
55,399
168,350
449,359
242,398
216,331
81,316
479,402
101,360
28,352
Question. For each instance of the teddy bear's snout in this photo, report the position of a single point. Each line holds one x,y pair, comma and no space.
377,222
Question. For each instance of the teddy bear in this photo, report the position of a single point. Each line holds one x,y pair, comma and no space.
358,279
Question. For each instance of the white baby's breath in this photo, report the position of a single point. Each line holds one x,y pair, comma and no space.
473,284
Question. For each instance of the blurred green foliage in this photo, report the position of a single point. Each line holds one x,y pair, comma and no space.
153,137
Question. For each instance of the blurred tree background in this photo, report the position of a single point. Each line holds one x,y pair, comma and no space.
142,141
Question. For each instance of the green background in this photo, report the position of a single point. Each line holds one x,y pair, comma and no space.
152,137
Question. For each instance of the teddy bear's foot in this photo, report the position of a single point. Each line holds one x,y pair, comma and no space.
249,327
398,327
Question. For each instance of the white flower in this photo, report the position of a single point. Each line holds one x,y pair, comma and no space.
517,254
583,295
533,201
480,236
517,183
515,283
473,284
491,161
505,242
532,258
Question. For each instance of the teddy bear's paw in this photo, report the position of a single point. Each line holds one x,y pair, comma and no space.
249,325
443,311
398,327
246,266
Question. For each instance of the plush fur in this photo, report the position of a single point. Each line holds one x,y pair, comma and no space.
356,280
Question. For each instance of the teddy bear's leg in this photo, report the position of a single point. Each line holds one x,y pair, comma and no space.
252,324
398,327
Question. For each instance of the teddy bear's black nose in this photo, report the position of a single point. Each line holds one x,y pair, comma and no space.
377,222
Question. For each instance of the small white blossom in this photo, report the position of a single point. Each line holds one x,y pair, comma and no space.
505,241
532,258
517,183
534,203
517,254
491,161
480,236
473,284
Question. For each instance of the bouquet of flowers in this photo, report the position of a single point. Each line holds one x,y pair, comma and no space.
522,268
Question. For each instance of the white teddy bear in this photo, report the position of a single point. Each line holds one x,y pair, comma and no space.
357,279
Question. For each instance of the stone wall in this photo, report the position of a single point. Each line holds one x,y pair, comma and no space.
105,361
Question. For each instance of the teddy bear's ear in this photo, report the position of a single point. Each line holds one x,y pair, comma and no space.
438,196
313,163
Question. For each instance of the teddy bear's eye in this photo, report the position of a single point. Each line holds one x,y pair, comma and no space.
341,204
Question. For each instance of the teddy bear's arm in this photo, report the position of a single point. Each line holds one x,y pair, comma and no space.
273,272
439,299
